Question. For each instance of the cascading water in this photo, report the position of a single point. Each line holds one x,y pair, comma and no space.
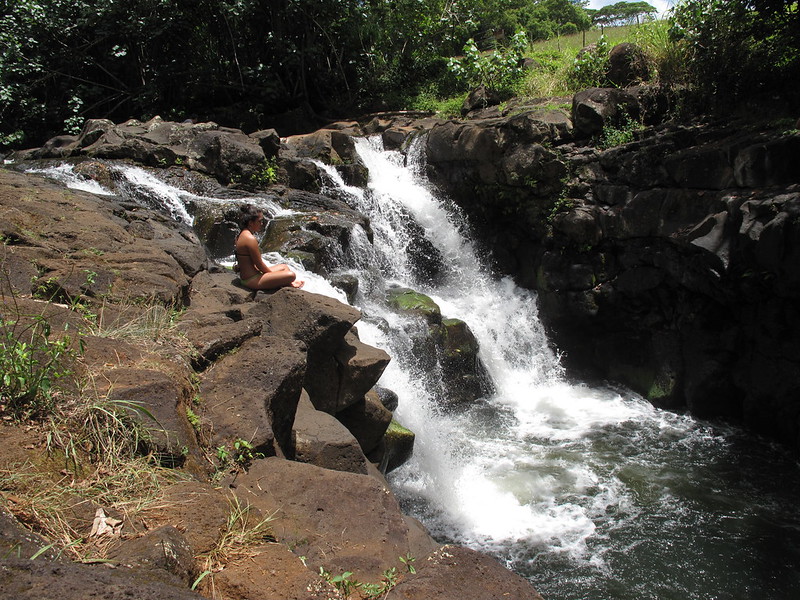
589,492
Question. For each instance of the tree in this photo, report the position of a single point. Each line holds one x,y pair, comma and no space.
624,13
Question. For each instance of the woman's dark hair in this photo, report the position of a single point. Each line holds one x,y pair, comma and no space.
248,213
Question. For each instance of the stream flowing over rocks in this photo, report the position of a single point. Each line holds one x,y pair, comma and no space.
669,264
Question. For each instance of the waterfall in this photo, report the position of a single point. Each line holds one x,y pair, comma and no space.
577,487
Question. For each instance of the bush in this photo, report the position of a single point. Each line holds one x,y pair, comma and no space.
31,361
739,49
497,70
591,65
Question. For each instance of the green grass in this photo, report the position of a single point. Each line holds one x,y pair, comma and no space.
556,58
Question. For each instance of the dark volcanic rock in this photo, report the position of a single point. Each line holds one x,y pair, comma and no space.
456,573
252,394
24,579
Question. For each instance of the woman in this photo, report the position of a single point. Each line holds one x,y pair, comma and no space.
253,271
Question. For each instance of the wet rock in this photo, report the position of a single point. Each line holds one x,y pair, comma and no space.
399,445
367,420
412,302
387,397
463,372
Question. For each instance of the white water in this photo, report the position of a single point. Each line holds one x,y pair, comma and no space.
142,185
516,477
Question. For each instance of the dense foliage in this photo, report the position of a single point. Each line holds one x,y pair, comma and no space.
243,62
238,61
740,49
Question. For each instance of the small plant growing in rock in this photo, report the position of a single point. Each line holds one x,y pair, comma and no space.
617,134
266,175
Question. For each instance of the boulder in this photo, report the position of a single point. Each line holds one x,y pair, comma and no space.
330,146
478,99
408,301
321,440
367,420
269,140
338,521
227,154
163,553
213,339
18,542
271,571
24,579
320,323
464,375
198,510
360,366
594,108
627,65
106,259
457,573
399,445
155,400
252,394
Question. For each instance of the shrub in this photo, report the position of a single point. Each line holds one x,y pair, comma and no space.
591,65
31,361
497,70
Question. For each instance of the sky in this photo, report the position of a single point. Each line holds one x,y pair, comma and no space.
661,5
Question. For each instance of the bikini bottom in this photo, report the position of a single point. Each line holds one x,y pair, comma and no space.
246,282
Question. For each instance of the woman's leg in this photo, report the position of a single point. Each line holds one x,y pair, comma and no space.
280,267
276,279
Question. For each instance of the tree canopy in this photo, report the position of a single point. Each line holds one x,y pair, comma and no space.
624,13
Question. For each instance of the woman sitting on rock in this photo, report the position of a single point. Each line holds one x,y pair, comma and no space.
253,271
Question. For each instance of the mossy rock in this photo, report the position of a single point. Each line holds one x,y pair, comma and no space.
399,445
457,339
410,301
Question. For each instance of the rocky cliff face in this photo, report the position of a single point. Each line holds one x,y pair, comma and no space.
668,263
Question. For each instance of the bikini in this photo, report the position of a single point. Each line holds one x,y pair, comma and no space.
253,277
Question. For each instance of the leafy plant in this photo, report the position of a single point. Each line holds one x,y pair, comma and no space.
616,135
589,68
497,69
31,361
266,175
346,585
